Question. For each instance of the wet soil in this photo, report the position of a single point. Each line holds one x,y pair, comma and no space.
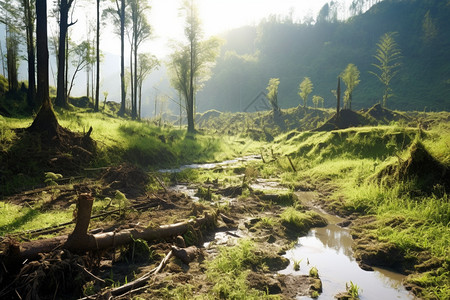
238,218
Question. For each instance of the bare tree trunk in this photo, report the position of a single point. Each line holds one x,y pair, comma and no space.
190,104
97,87
66,72
338,92
133,107
61,99
45,120
122,58
29,26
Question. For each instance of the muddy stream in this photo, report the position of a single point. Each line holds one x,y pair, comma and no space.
327,248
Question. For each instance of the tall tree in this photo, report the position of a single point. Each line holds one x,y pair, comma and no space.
191,63
10,18
350,76
117,13
61,92
179,66
80,60
97,81
317,100
193,32
272,94
45,120
140,32
305,88
429,29
387,55
146,64
29,16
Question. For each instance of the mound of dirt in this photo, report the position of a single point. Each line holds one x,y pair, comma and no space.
420,167
347,118
33,153
383,115
126,178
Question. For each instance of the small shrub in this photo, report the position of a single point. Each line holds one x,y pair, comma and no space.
313,272
297,264
353,290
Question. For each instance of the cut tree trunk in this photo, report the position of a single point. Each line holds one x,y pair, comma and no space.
31,250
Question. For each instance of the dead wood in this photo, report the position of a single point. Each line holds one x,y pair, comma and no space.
51,229
136,284
185,254
79,236
292,165
30,250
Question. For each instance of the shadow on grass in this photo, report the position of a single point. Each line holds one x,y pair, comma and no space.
18,222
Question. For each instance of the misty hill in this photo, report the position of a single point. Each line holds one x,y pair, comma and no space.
290,51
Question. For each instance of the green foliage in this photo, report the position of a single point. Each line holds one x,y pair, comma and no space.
272,93
297,264
305,88
290,50
387,55
313,272
317,101
353,290
138,251
434,283
122,202
51,178
350,76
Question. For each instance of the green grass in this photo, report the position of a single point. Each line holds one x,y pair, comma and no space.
16,218
301,221
228,273
347,161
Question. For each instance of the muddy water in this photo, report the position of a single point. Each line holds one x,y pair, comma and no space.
329,250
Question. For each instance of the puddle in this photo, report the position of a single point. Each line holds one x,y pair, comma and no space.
329,250
234,162
261,184
185,189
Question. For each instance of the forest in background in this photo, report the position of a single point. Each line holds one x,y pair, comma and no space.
279,47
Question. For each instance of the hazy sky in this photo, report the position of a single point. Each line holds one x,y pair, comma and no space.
217,16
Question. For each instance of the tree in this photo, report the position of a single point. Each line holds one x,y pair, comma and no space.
272,94
10,19
117,13
387,56
45,120
317,100
191,63
140,31
61,92
29,16
80,61
146,64
305,88
429,29
97,81
350,76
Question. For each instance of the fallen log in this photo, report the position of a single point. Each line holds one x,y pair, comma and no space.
31,250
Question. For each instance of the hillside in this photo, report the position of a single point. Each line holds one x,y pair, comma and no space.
291,51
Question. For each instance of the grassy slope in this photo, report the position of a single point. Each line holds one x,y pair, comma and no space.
120,140
347,163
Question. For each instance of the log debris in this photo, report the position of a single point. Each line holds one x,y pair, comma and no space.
105,240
